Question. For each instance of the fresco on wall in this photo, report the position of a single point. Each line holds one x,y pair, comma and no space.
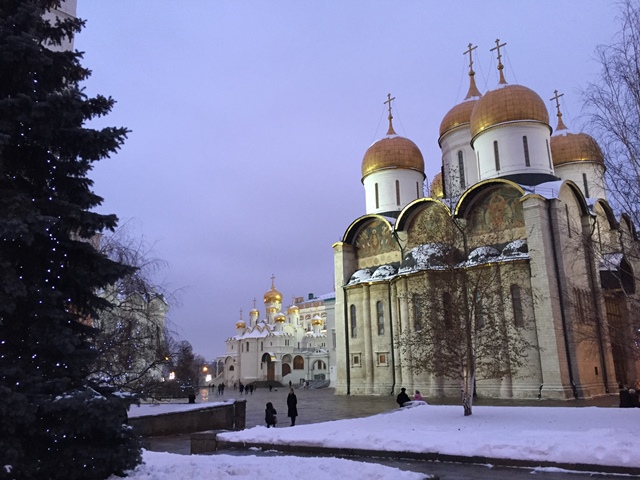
430,225
374,239
498,211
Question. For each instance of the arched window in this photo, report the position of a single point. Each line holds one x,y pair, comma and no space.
354,325
525,145
549,155
516,301
377,197
496,154
298,363
231,368
380,314
397,192
320,365
461,168
286,369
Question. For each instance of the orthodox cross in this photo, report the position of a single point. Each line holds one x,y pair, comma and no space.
240,314
389,99
470,52
254,303
500,66
556,97
273,277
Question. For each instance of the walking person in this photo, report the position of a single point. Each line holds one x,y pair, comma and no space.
270,415
292,406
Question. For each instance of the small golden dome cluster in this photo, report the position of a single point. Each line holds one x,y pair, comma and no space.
316,321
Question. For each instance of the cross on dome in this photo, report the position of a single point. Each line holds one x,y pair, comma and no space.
388,101
556,97
500,65
473,89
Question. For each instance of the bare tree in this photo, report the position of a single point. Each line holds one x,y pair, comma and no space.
471,312
134,340
613,107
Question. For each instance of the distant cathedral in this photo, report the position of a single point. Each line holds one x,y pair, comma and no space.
279,348
525,194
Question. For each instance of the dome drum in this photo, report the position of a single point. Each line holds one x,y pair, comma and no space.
390,190
521,148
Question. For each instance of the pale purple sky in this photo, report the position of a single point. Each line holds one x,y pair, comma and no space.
250,119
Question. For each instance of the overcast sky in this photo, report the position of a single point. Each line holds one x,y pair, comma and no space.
249,121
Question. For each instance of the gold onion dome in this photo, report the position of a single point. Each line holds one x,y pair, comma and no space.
293,309
508,103
280,318
392,151
316,321
436,190
461,113
569,147
241,324
272,295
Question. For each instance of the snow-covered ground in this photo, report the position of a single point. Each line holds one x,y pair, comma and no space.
590,435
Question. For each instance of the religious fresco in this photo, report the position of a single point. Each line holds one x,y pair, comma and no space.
430,225
497,211
374,239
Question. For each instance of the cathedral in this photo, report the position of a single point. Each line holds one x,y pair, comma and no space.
525,202
282,348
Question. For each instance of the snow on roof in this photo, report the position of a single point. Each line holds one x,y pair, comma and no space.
431,256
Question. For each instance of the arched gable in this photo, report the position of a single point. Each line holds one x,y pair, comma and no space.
607,212
410,210
371,235
625,220
493,212
428,223
577,194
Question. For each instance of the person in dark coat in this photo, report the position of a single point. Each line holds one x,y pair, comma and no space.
270,415
292,406
403,397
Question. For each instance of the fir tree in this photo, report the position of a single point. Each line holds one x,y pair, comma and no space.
54,423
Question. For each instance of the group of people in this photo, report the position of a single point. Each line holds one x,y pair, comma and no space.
403,398
270,413
248,389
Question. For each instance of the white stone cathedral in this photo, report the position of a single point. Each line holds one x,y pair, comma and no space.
526,194
280,348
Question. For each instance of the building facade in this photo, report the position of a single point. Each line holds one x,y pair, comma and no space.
297,346
523,201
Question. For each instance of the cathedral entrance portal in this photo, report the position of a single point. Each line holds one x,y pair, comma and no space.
271,366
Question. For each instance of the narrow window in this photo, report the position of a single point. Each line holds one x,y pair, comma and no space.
549,155
566,210
480,319
417,314
354,325
377,197
356,360
461,168
478,163
516,301
397,192
262,346
525,145
446,308
380,313
496,154
586,185
417,190
247,346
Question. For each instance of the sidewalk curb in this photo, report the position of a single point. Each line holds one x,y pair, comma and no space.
427,456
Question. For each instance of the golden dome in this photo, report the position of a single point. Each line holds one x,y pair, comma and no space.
461,113
508,103
273,295
293,309
241,324
280,318
436,190
255,311
316,321
457,116
272,310
392,151
575,147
